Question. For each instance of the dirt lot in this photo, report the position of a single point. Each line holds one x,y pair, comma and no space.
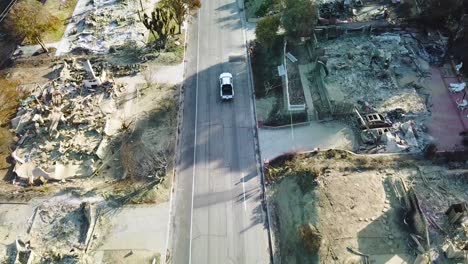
358,204
63,10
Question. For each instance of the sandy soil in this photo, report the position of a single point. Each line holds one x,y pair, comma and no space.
292,208
362,211
357,202
31,74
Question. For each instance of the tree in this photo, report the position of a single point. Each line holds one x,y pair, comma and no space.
299,17
180,8
266,30
160,25
30,19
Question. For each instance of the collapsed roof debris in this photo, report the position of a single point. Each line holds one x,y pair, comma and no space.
383,74
108,24
66,222
349,11
66,124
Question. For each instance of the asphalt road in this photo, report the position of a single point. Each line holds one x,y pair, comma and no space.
217,207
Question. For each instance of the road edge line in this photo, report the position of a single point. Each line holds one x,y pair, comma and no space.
195,136
259,162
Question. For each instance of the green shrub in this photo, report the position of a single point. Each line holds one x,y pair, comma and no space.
264,8
266,31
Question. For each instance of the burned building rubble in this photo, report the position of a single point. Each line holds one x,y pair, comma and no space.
65,125
108,25
382,78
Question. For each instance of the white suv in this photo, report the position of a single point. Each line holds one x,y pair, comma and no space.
226,88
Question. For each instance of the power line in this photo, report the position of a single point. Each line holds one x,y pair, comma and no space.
7,10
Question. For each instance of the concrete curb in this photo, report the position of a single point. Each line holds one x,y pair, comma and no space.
284,126
180,118
271,239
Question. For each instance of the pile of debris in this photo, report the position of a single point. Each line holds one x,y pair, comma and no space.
368,67
333,12
117,70
66,124
393,131
442,194
61,229
384,75
457,246
109,24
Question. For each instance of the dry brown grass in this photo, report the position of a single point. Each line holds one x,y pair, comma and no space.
6,139
128,191
312,165
140,163
311,237
9,100
63,11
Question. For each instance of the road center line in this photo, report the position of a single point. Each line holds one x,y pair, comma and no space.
195,138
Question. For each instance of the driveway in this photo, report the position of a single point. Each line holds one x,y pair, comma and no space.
274,142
